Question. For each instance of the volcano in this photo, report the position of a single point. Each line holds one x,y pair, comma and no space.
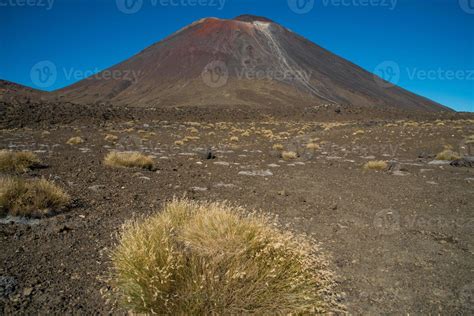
248,60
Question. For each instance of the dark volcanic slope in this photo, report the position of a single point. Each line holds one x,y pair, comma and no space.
13,92
290,70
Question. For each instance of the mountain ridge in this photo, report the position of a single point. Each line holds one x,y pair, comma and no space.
256,61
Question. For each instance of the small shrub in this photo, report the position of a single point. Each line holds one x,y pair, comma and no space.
31,198
213,259
376,165
448,154
190,138
289,155
179,143
312,146
193,130
111,138
278,147
234,139
19,161
129,160
75,141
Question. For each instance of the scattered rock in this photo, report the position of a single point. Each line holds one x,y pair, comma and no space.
207,154
7,285
463,162
273,165
400,173
96,188
259,173
27,291
439,162
198,189
222,163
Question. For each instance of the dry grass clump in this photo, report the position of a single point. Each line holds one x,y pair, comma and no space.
193,130
75,141
19,161
190,138
448,154
358,132
278,147
212,259
110,138
312,146
289,155
411,124
128,160
31,198
234,139
179,143
376,165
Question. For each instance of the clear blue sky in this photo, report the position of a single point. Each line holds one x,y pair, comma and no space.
431,41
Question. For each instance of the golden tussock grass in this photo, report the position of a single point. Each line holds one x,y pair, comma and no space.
201,258
179,143
129,160
191,138
193,130
31,198
312,146
448,154
18,161
278,147
111,138
234,139
289,155
376,165
75,141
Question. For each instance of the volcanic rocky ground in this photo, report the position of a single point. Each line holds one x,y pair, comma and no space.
398,241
